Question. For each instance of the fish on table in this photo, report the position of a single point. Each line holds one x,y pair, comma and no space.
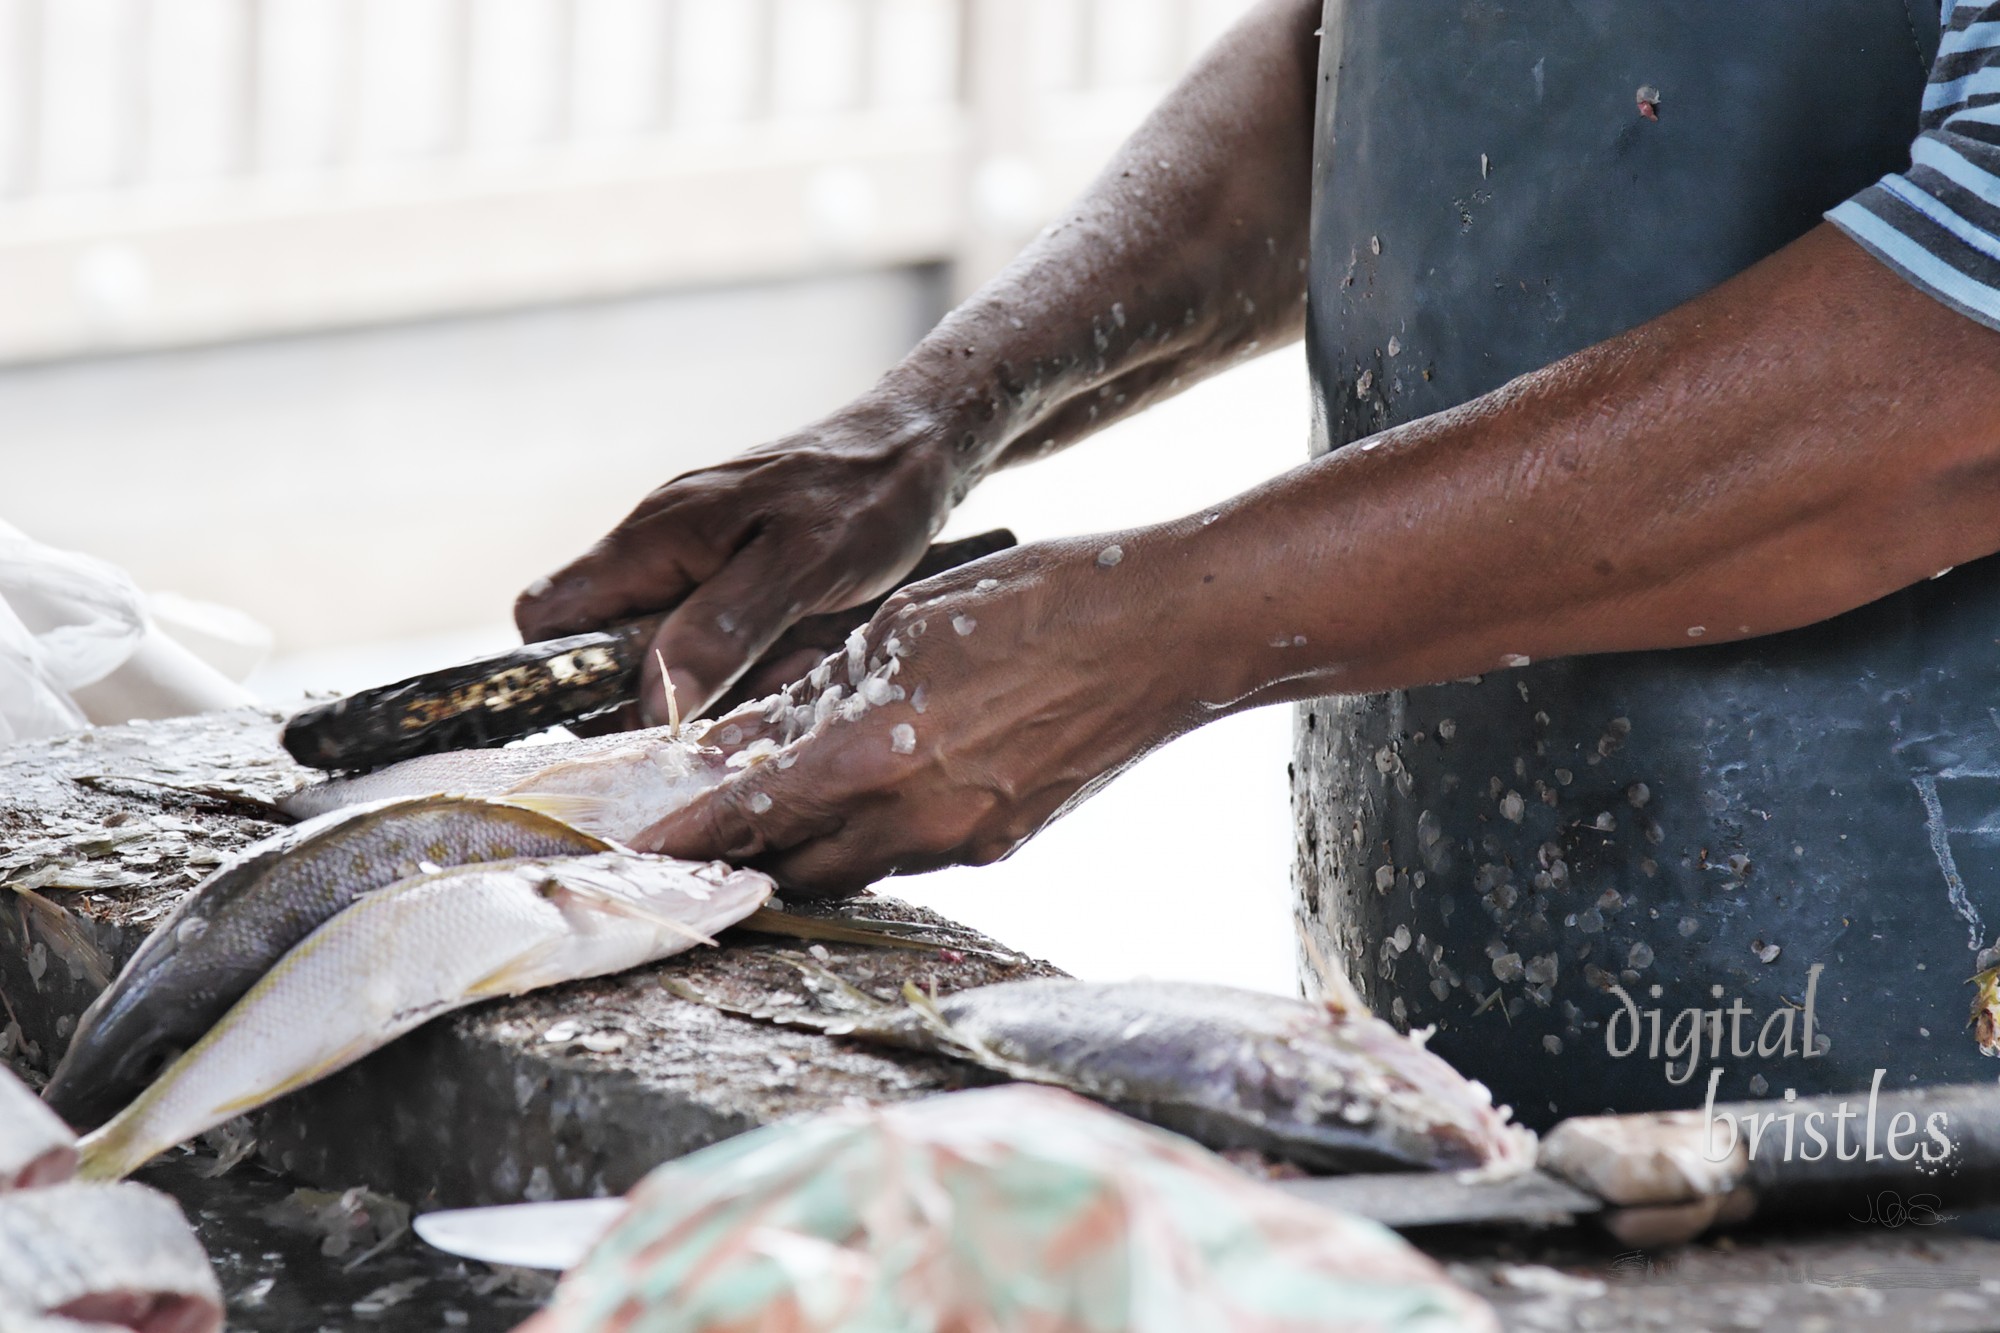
613,786
420,948
236,924
1325,1086
76,1256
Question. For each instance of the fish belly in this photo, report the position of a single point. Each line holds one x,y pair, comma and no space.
372,973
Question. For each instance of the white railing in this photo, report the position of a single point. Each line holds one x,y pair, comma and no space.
176,171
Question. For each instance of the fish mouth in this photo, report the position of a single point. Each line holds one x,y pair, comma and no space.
103,1071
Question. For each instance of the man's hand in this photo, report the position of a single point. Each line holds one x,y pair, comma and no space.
976,707
818,522
1185,256
1811,435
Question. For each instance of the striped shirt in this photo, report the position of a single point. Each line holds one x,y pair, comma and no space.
1938,224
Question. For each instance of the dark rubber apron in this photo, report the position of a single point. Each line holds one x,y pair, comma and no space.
1697,827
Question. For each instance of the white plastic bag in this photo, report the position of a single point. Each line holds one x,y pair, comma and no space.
31,703
77,647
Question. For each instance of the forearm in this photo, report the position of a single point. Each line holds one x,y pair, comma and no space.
1185,255
1810,436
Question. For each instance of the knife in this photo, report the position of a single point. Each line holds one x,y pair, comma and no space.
503,697
1649,1179
553,1235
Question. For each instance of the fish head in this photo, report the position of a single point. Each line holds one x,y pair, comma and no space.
112,1060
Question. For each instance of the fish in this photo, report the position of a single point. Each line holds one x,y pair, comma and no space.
613,786
1327,1088
407,953
36,1147
105,1257
237,923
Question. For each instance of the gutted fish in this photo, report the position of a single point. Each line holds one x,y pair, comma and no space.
417,949
1326,1088
612,786
106,1257
36,1148
238,922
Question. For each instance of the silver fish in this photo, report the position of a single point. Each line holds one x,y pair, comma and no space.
239,921
405,954
1326,1088
36,1148
612,786
103,1256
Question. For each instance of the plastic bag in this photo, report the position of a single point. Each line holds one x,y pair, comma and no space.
1016,1208
77,647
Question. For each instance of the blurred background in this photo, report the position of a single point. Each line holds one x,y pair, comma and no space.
357,315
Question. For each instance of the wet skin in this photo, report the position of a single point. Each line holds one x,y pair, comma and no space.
1805,438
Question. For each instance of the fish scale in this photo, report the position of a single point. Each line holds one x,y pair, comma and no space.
613,786
240,921
103,1250
1328,1090
1325,1087
412,951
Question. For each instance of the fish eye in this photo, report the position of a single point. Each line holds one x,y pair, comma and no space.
148,1064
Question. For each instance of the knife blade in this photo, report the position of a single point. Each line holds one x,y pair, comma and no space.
554,1235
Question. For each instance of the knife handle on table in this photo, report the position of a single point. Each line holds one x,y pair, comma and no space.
1671,1175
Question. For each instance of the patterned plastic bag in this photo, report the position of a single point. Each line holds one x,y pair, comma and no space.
1015,1208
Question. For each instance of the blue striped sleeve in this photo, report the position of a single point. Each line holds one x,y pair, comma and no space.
1938,224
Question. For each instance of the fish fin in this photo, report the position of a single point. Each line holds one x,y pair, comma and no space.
66,936
339,1060
580,812
603,898
516,975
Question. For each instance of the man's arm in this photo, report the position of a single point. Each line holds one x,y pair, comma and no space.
1809,436
1187,254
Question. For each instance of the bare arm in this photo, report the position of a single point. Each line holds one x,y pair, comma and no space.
1812,435
1186,254
1809,436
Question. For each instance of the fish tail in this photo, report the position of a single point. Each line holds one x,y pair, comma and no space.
115,1151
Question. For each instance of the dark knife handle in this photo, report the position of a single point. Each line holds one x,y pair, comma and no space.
493,700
